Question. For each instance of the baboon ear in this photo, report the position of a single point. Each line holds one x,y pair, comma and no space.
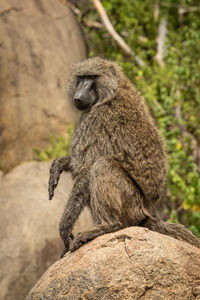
113,70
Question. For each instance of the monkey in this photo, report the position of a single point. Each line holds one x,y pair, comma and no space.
117,158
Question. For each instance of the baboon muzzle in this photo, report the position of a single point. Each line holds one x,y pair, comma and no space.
84,95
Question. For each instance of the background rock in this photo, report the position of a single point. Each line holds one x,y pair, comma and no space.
133,263
29,236
39,42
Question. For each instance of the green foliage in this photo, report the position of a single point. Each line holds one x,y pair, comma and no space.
58,147
166,89
173,217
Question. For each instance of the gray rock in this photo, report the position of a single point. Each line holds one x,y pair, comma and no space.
39,42
133,263
29,236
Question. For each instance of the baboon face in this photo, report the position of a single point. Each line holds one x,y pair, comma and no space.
85,94
92,82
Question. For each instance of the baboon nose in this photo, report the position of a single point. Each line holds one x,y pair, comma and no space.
77,101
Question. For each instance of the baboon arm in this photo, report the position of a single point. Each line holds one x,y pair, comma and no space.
78,199
149,186
148,171
58,166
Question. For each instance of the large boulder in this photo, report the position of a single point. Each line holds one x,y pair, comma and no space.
133,263
29,236
39,42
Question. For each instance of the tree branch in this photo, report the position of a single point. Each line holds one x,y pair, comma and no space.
162,32
93,24
156,11
72,7
187,9
109,27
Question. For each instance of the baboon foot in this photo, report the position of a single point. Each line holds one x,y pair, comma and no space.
80,239
84,237
65,250
68,244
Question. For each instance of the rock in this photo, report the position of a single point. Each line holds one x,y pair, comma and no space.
29,236
133,263
39,42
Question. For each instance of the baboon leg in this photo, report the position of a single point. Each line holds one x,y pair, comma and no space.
176,231
77,200
57,167
114,201
86,236
115,198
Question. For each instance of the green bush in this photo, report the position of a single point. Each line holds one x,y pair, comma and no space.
166,89
58,146
173,88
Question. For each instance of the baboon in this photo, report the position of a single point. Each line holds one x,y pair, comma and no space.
117,158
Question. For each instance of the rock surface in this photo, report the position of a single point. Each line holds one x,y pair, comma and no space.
29,236
133,263
39,42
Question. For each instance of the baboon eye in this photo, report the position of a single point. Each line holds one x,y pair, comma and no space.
79,77
78,80
92,76
92,86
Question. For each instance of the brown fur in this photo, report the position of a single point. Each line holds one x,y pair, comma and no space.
117,159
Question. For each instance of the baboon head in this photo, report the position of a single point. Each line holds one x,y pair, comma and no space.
92,82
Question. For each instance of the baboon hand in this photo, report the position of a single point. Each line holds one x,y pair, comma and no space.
59,164
55,172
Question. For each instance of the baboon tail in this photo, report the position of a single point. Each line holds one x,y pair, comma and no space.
176,231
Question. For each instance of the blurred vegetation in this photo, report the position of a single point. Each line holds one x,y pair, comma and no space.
174,86
58,147
172,92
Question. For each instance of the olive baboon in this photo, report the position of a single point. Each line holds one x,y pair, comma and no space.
117,157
